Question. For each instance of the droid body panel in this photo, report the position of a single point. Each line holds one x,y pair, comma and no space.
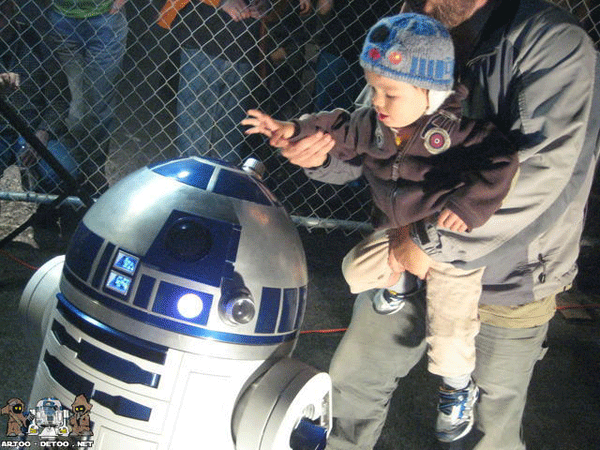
182,293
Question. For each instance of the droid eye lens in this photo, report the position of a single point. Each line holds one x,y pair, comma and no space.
188,240
237,310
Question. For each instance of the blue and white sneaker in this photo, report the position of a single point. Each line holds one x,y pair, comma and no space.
455,412
386,301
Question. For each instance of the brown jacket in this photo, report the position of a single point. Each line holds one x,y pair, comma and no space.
443,164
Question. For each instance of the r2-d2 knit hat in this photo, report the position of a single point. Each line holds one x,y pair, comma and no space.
412,48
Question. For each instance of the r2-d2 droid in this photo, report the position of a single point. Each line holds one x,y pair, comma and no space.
49,419
175,312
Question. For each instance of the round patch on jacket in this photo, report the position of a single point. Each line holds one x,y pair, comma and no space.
437,140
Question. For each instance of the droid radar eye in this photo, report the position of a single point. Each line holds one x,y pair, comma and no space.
237,309
188,240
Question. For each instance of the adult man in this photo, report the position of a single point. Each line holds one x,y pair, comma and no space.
533,71
26,71
219,50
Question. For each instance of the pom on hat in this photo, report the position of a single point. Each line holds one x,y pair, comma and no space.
412,48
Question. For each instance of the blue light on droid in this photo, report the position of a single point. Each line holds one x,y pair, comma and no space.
190,305
117,282
126,262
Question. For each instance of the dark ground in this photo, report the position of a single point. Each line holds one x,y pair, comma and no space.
564,402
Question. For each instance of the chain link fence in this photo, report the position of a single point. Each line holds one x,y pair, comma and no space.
121,112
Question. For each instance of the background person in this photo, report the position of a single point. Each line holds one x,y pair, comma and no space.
219,55
89,39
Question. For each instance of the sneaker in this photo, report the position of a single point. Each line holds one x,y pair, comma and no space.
388,302
455,412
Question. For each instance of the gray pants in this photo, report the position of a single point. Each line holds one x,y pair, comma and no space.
377,350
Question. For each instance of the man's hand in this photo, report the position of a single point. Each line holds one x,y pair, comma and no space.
407,256
324,6
308,152
448,219
240,10
9,81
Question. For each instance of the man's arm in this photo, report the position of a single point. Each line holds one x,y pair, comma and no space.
547,109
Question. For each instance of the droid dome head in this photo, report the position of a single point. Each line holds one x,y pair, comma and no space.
49,412
187,250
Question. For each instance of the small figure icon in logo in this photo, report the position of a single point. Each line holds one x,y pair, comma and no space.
49,419
17,420
80,417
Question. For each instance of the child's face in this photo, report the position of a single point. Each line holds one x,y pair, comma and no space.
398,104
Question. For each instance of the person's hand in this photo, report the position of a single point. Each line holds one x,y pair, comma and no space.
264,124
305,7
278,55
117,5
237,9
324,6
448,219
29,156
407,256
9,81
308,152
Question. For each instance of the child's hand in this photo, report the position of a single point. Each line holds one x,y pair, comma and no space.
9,81
450,220
265,124
405,255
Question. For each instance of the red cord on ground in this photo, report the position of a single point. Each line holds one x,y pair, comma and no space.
332,330
20,261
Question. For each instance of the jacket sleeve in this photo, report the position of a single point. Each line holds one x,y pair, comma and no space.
481,173
351,132
344,161
546,103
336,171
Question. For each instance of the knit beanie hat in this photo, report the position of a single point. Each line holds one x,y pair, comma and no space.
412,48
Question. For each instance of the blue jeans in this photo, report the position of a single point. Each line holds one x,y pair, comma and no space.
213,97
337,83
90,52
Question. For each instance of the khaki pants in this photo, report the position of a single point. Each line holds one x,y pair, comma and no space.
452,298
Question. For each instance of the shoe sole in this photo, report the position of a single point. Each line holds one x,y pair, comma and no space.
446,439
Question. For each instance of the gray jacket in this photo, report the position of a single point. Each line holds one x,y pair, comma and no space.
536,74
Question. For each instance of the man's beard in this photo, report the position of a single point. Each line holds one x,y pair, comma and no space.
451,13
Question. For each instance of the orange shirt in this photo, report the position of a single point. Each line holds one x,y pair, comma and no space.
172,7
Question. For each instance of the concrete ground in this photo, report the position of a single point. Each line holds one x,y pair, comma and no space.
563,412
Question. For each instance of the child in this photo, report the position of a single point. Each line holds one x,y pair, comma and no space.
424,162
